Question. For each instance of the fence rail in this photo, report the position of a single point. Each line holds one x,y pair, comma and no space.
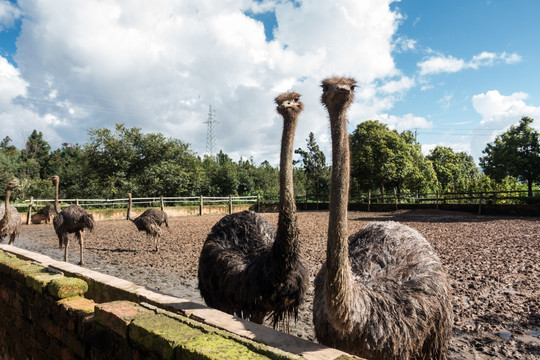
479,199
199,201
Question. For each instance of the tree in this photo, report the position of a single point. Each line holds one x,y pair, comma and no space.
314,166
384,158
515,153
456,172
36,155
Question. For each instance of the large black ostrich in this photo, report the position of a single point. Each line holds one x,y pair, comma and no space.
10,222
73,219
248,269
383,292
150,222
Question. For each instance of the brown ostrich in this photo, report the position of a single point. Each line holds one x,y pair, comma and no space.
383,293
45,214
10,223
150,222
73,219
248,269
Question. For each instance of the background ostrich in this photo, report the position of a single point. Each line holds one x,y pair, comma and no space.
46,214
245,267
73,219
10,222
383,294
150,222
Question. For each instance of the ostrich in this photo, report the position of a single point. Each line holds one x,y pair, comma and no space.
73,219
149,221
383,293
46,214
10,223
246,267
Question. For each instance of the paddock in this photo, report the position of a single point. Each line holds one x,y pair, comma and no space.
493,263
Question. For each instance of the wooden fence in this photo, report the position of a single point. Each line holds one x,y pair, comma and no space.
199,201
434,200
368,201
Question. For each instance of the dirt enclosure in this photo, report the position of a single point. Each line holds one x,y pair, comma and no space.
493,263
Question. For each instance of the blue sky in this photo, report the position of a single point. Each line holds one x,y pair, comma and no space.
456,72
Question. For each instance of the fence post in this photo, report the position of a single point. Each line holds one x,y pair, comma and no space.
369,201
395,198
480,204
305,203
29,210
437,206
258,203
162,203
230,204
201,206
76,201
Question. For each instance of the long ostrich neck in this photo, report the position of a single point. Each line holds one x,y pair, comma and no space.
7,213
56,203
339,278
285,248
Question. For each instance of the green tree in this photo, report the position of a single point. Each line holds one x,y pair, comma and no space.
71,165
36,155
317,174
9,162
515,153
456,172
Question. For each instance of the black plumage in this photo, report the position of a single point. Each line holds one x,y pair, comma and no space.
150,221
246,267
72,220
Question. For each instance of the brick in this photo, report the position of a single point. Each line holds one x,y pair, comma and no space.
160,334
75,345
38,281
117,315
67,287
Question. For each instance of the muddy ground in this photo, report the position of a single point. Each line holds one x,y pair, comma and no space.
493,263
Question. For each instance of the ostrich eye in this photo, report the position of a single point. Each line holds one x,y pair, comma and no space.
324,87
353,87
296,100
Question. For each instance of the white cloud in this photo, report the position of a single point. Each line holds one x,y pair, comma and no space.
498,112
9,13
449,64
405,122
455,146
11,84
88,64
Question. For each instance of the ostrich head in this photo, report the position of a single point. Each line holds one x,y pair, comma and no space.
338,92
54,179
12,185
289,104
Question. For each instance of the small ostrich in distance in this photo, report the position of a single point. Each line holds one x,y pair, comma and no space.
383,292
150,222
73,219
248,269
10,222
46,214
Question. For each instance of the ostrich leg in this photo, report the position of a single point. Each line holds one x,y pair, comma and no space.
80,235
66,246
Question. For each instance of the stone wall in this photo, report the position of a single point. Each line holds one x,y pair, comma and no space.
55,310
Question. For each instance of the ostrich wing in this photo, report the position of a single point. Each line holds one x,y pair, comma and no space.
14,224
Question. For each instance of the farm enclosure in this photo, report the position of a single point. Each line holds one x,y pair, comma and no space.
493,263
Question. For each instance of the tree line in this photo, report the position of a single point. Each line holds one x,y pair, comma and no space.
116,161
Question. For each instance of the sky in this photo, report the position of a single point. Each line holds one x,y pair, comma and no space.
456,73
